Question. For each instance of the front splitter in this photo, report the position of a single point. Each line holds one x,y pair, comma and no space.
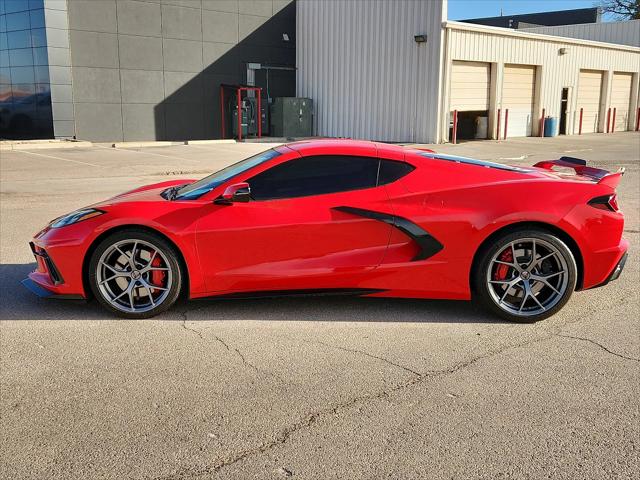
42,292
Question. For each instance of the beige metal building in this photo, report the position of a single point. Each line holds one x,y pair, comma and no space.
397,71
525,74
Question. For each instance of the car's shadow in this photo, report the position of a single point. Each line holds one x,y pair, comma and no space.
17,303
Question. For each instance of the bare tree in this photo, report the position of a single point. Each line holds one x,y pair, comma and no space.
621,9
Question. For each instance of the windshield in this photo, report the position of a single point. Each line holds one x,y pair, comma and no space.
199,188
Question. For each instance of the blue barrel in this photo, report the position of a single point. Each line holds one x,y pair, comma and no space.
550,127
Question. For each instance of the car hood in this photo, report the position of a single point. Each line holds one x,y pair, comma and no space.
147,193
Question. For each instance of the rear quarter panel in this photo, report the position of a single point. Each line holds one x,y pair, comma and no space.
462,205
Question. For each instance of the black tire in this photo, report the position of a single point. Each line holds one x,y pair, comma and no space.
482,275
168,252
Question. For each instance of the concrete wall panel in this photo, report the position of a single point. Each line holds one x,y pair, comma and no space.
221,5
182,87
184,120
100,122
142,86
94,49
139,122
93,16
262,8
182,55
139,18
219,27
182,22
99,85
140,52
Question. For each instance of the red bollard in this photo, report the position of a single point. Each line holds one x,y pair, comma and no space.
239,111
580,124
613,123
608,119
498,128
541,133
638,120
506,122
259,113
455,127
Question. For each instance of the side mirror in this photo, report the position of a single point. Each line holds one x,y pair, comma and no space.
238,192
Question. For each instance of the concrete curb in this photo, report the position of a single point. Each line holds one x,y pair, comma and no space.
210,142
145,144
45,146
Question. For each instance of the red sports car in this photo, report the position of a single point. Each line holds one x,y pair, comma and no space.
339,216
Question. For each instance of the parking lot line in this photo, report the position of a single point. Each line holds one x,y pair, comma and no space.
146,152
59,158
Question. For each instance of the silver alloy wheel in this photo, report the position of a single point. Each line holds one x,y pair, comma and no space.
527,277
125,276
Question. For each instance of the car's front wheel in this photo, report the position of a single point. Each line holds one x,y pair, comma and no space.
525,276
135,274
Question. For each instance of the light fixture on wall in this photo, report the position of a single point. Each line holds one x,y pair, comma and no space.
420,38
285,37
563,51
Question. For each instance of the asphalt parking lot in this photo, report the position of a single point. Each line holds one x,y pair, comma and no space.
305,388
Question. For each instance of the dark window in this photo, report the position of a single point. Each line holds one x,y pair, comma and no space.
205,185
390,171
315,176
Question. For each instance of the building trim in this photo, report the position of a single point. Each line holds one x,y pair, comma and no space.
507,32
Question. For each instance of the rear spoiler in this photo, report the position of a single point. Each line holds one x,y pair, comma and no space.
580,166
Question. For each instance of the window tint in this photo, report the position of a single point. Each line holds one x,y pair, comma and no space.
390,171
205,185
315,176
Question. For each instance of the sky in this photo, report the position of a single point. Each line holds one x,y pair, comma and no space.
462,9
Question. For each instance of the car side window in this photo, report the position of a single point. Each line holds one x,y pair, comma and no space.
315,175
391,170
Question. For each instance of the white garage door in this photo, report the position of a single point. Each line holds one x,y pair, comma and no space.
518,96
621,98
470,86
589,89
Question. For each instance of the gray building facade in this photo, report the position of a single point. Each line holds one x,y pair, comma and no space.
151,69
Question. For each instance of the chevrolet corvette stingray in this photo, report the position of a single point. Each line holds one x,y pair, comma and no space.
345,217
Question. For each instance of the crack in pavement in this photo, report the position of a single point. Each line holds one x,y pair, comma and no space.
283,436
259,370
598,345
361,352
240,355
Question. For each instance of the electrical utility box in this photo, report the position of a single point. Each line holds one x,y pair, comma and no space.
291,117
249,119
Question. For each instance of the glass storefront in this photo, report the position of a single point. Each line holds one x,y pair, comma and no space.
25,93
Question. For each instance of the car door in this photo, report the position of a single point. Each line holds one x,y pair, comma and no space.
297,233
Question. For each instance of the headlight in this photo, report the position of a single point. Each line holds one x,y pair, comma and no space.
75,217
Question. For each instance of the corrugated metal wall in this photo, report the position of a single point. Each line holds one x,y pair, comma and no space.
369,79
624,33
504,46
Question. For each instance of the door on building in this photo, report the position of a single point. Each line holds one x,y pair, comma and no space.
470,82
518,96
589,95
621,99
564,111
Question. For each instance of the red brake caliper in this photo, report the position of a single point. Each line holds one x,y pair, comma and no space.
502,270
157,276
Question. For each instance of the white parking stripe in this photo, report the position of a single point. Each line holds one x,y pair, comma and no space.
58,158
144,153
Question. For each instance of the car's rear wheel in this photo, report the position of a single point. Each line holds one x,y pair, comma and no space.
525,276
135,274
